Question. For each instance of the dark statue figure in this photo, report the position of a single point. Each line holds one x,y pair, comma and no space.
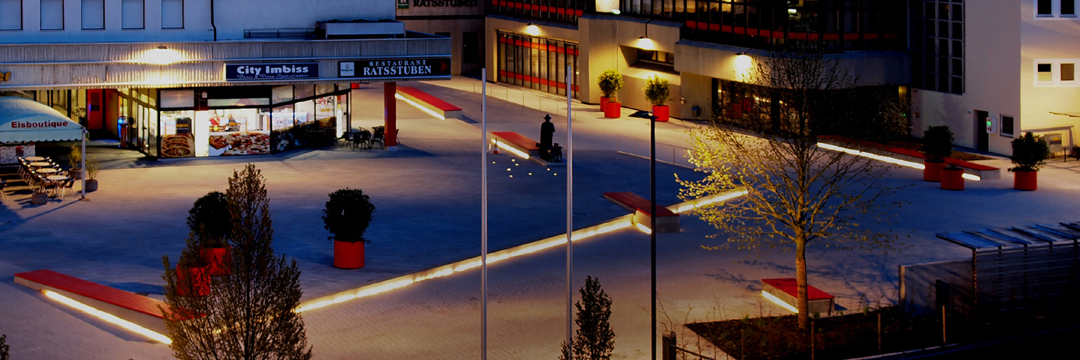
547,131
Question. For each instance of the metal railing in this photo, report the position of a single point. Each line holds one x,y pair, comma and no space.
668,154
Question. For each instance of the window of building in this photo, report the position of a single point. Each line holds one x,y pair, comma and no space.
1045,73
10,14
172,14
52,14
133,16
1007,124
1068,8
536,63
1044,8
937,45
93,14
1067,72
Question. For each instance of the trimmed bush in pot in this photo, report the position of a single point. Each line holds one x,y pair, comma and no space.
936,145
192,276
210,222
610,81
92,168
347,216
1029,154
658,91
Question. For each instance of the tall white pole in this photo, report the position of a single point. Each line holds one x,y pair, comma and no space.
569,208
82,165
483,216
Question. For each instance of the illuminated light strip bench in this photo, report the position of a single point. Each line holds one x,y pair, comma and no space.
785,292
666,220
517,144
142,312
430,104
976,171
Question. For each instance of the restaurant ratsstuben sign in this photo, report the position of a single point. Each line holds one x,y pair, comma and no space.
395,68
240,72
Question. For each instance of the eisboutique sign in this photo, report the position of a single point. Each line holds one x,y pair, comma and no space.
270,71
395,68
39,125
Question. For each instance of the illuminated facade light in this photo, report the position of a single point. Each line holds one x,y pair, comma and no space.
888,159
777,301
110,318
421,107
532,29
161,56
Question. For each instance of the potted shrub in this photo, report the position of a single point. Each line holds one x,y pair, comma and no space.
1029,154
40,196
192,276
610,82
92,168
936,145
75,160
347,215
658,91
210,222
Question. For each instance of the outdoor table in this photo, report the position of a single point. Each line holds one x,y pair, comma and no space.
36,158
47,171
40,164
57,177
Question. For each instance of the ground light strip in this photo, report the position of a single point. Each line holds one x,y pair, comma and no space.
511,149
110,318
887,159
421,107
777,300
618,223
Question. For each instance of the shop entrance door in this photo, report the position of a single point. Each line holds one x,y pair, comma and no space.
95,110
982,138
470,51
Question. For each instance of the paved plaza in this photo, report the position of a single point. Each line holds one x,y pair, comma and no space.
427,196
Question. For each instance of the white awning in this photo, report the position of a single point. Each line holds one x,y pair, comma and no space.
24,120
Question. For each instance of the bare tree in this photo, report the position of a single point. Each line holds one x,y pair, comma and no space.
765,140
249,313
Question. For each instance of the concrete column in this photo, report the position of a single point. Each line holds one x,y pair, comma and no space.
390,114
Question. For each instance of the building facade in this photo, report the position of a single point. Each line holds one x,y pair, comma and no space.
184,78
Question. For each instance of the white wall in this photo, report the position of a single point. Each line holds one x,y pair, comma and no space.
991,77
1054,38
232,17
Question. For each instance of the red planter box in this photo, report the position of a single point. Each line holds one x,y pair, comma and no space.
348,255
193,281
603,102
952,179
1026,180
932,172
219,260
613,110
661,112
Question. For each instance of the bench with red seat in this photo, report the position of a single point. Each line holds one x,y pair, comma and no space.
138,309
516,141
666,220
983,171
787,290
447,110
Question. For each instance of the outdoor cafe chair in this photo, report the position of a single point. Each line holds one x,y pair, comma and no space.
362,139
379,137
64,187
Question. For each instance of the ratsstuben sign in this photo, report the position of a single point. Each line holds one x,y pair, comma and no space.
238,72
395,68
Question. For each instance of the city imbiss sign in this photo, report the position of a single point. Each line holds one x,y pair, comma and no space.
395,68
241,72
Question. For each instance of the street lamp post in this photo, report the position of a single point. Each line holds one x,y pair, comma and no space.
652,217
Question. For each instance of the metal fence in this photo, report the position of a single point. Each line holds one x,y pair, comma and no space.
668,154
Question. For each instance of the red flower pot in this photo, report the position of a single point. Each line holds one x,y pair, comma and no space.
661,112
603,102
192,281
219,260
613,110
952,179
932,172
1025,180
348,255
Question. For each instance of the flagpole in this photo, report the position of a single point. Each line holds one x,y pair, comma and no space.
569,208
483,216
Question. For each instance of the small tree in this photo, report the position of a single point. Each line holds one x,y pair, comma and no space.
610,81
249,313
657,90
797,192
348,214
4,348
1029,152
594,339
75,156
937,143
209,220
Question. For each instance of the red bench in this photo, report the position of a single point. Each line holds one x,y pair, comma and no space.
666,220
434,104
140,310
787,290
983,171
521,145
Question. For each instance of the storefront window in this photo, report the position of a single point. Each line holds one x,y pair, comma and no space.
237,132
281,137
177,139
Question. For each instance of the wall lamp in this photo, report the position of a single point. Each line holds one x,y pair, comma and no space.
532,29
